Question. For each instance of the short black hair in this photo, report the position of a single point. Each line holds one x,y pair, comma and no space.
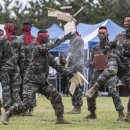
27,23
128,15
42,31
103,27
9,21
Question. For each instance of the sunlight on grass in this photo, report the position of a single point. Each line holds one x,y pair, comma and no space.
44,118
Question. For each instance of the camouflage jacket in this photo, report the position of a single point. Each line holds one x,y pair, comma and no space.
105,50
6,55
38,69
18,51
75,56
123,45
118,64
27,53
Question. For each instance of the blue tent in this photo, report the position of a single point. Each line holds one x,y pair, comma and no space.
34,31
113,30
86,29
88,33
54,31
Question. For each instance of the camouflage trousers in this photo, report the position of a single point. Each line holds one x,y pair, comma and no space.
116,66
111,85
125,77
77,100
49,91
11,87
33,102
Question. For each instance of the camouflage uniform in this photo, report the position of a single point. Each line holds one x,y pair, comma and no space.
111,83
12,80
36,79
27,50
118,65
6,67
76,63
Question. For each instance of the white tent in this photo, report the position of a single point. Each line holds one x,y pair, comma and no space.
92,38
2,27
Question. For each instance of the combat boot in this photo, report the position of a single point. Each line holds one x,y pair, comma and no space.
92,115
127,117
60,120
25,113
121,116
30,113
6,109
92,90
75,110
5,118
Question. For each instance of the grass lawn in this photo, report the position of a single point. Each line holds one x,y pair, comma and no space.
44,118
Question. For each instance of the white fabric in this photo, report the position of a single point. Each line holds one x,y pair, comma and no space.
2,27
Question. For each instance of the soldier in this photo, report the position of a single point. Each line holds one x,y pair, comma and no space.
75,61
12,81
118,64
36,78
28,43
99,56
1,36
6,66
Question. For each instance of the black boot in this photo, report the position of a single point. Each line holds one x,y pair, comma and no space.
30,113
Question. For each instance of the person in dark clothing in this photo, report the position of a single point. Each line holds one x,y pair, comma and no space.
36,78
12,80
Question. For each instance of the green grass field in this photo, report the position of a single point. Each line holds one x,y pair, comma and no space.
44,118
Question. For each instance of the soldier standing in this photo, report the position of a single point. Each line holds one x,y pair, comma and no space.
36,78
75,61
12,81
118,64
99,58
6,66
28,43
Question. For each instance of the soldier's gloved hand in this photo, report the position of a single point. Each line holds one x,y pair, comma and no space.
126,53
58,40
106,50
70,74
68,36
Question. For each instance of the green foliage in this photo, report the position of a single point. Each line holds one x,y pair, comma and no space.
38,13
35,11
44,118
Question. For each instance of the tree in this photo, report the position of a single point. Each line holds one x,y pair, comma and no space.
120,9
20,14
5,11
38,13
